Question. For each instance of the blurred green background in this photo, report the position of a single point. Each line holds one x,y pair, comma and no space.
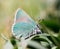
42,11
7,13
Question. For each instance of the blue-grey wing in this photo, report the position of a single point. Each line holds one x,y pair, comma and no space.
23,25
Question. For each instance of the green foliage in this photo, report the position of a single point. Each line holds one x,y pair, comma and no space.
52,25
13,42
58,5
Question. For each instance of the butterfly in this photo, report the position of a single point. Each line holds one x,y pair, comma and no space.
24,26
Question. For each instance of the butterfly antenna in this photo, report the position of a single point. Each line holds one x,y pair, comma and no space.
4,37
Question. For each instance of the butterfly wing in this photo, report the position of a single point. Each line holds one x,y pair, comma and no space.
23,24
22,16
